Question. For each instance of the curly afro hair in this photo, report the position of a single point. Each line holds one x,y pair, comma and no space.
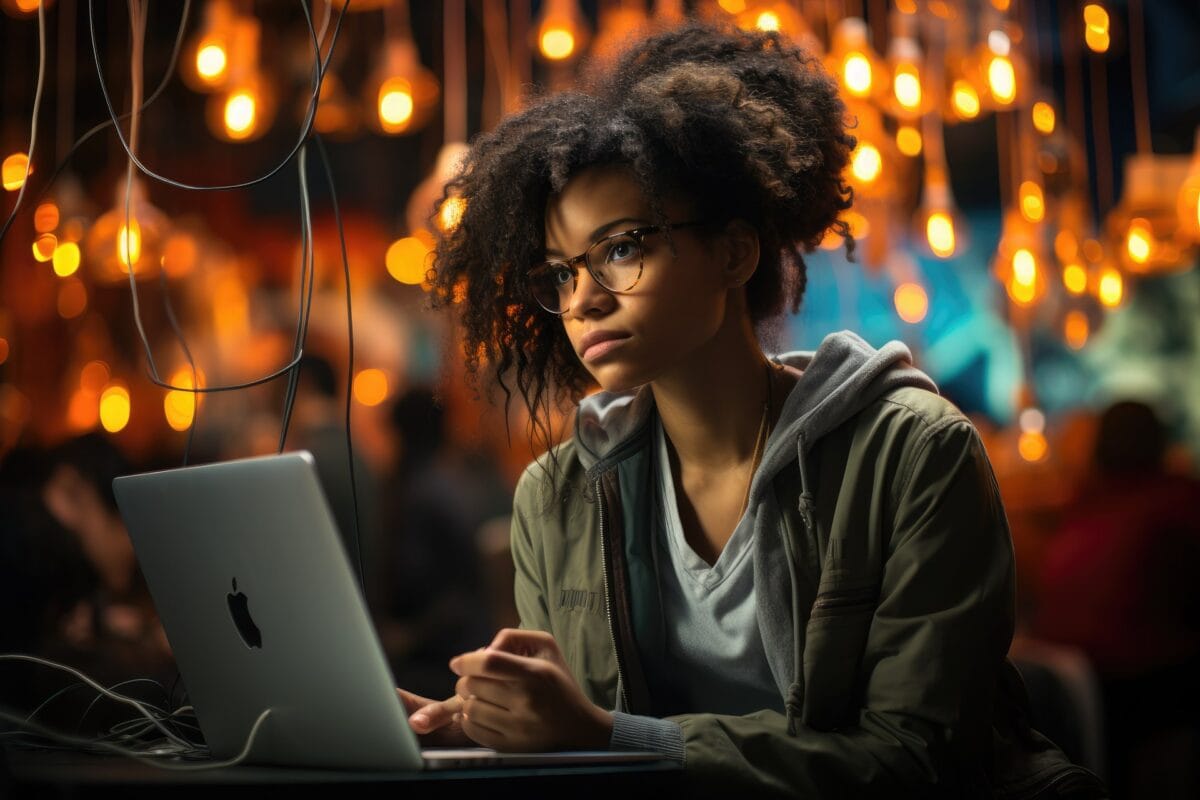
743,124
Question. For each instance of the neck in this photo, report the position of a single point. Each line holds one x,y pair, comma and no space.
711,406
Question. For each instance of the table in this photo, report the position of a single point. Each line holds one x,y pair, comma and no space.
28,773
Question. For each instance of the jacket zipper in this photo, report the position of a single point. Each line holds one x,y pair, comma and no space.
608,601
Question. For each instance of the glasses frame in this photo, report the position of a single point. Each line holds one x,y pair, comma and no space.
639,234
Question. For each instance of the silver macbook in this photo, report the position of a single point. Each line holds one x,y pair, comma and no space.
263,611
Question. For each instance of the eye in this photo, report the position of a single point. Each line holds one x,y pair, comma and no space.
561,274
621,251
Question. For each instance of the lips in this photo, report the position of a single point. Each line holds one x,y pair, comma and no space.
597,343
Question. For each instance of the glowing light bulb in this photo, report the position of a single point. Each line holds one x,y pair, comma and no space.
1033,204
129,245
43,247
557,43
406,260
1096,30
912,303
965,99
241,112
370,387
114,408
1112,288
1044,117
13,171
907,86
179,407
1075,278
1032,446
856,75
450,214
939,231
1139,241
1002,79
908,141
866,163
211,62
395,104
66,259
767,21
1076,329
45,217
1024,267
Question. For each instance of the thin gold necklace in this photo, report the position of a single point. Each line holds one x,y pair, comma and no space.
759,442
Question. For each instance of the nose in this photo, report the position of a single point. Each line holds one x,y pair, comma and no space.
589,297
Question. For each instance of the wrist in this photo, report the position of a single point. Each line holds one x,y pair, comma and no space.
599,731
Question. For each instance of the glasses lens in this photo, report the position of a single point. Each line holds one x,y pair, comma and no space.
552,284
616,262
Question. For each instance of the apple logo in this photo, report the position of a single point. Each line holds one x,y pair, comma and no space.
240,611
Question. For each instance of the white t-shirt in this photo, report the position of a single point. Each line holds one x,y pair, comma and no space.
714,649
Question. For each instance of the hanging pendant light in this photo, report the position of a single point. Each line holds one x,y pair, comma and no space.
402,92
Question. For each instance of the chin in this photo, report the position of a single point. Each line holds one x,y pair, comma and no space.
618,378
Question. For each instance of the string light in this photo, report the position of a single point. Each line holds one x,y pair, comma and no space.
965,99
45,217
1139,241
1076,329
1111,287
1075,278
560,32
1044,117
66,259
1031,201
908,141
13,171
179,407
407,260
1002,75
370,387
912,303
43,247
1096,27
114,408
866,163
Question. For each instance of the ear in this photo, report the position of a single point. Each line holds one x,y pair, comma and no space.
742,252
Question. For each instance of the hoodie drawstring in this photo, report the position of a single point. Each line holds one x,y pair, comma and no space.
795,698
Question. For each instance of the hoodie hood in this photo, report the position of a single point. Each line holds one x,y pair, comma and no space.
839,379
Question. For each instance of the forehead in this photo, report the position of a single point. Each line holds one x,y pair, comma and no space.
590,200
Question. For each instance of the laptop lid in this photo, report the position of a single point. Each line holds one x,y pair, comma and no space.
262,610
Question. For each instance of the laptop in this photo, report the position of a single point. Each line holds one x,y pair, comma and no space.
263,611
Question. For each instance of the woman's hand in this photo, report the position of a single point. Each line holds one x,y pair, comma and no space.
435,721
518,695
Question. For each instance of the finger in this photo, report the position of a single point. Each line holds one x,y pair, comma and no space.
435,715
413,701
497,664
484,723
499,693
523,642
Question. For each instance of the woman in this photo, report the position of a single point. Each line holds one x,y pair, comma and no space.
793,575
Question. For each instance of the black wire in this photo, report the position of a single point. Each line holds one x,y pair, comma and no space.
319,68
162,85
307,263
337,217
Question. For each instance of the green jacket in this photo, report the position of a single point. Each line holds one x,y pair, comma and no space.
883,578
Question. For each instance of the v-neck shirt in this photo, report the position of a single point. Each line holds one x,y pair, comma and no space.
714,649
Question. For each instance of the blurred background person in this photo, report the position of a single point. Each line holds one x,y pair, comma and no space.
437,601
1121,581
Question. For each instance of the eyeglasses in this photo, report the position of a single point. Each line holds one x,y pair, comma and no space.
614,261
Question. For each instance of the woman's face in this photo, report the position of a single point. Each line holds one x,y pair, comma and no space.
676,308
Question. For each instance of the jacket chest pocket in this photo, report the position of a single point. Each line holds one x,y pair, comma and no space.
835,639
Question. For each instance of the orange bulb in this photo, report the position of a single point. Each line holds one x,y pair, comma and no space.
66,259
1075,278
1139,241
211,61
13,171
45,218
1076,329
908,141
767,21
866,163
939,232
114,408
1033,204
1112,288
1044,117
1032,446
370,387
407,260
907,86
857,75
395,105
965,99
1002,79
557,43
912,303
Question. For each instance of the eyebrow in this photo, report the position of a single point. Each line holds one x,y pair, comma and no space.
596,234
